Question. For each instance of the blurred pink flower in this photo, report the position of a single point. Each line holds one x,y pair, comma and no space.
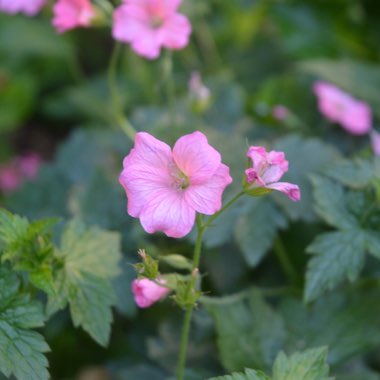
70,14
266,171
375,141
15,172
28,7
166,188
353,115
147,292
10,179
149,25
28,165
197,89
280,112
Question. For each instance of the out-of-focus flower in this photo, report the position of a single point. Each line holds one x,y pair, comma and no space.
375,141
267,169
280,112
70,14
28,165
353,115
147,292
10,179
149,25
197,89
15,172
166,188
28,7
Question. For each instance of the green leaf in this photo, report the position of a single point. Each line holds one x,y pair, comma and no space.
346,322
308,365
337,256
256,230
21,350
355,174
177,261
249,374
331,203
373,243
249,332
90,260
306,157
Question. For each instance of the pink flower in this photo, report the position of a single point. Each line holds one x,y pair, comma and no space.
28,7
375,141
10,179
28,165
280,112
147,292
149,25
338,106
70,14
197,89
13,174
166,188
267,169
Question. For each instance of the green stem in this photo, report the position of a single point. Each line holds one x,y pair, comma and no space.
226,206
117,107
169,84
283,258
189,310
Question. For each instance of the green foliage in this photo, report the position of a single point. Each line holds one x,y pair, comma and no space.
28,247
256,231
22,349
346,322
340,255
89,261
337,256
308,365
249,374
250,332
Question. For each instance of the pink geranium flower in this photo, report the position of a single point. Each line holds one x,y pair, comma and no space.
28,7
353,115
266,171
280,112
70,14
149,25
166,188
147,292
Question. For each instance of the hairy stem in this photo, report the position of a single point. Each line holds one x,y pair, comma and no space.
283,258
189,309
116,104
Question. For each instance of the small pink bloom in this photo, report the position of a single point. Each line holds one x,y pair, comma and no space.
166,188
70,14
28,7
353,115
197,89
280,112
266,171
147,292
10,179
149,25
28,165
375,141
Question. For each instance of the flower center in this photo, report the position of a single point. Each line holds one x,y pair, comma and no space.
156,22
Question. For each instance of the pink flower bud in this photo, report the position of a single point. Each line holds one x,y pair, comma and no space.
147,292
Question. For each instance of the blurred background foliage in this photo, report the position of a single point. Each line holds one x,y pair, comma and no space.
253,55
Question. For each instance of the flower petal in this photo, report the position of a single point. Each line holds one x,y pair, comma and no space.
196,158
146,171
168,212
289,189
206,198
175,32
